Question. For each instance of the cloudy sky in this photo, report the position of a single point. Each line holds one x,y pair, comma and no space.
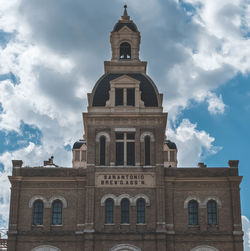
52,53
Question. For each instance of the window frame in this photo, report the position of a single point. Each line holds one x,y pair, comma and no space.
125,140
109,211
141,211
57,213
38,213
125,49
193,213
102,148
147,150
125,206
212,215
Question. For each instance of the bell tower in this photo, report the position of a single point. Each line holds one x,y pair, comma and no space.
125,42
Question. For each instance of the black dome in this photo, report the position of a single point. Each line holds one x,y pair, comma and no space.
148,93
120,25
78,144
170,144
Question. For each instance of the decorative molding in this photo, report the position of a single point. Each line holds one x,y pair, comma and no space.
150,134
189,198
122,247
218,201
58,197
204,248
124,196
141,196
125,129
105,134
38,197
117,199
46,248
108,196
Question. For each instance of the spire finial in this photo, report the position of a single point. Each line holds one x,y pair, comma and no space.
125,13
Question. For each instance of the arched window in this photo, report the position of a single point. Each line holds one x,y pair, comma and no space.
193,212
125,211
102,150
140,211
147,150
125,51
212,212
109,211
38,213
57,212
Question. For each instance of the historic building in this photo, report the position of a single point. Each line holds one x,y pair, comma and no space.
125,191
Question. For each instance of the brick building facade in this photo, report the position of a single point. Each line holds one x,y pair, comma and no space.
124,191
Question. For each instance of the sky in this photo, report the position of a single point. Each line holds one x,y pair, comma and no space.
52,53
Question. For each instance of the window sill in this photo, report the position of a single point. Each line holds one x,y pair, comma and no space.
37,225
109,224
56,225
125,224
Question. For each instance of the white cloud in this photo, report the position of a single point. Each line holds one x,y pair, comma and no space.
215,104
246,229
193,145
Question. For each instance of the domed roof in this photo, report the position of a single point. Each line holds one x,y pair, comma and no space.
147,87
170,144
131,25
78,144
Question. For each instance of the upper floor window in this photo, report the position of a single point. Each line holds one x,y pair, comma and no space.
140,205
109,211
125,149
125,51
172,156
193,212
125,211
57,212
147,150
212,212
77,155
38,213
125,96
102,150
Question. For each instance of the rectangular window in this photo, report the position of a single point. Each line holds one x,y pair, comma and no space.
118,96
83,156
131,96
77,156
119,154
125,149
172,157
130,153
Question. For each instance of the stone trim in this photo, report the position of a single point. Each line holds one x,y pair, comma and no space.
218,201
125,247
141,196
38,197
108,196
105,134
202,204
204,248
189,198
46,248
58,197
117,199
150,134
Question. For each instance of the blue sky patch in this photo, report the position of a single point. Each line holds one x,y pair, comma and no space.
13,78
5,37
11,140
67,147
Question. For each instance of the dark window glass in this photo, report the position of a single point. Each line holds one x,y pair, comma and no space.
131,96
57,212
119,135
38,213
172,157
102,150
130,153
140,211
109,211
147,150
130,136
119,96
119,153
125,51
125,211
212,212
193,213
